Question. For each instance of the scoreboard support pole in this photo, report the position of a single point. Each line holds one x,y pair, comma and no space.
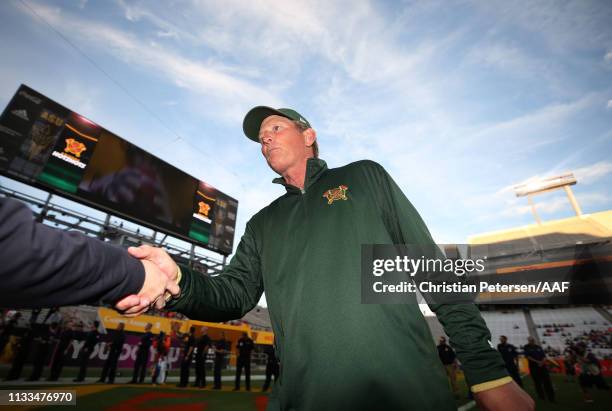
45,209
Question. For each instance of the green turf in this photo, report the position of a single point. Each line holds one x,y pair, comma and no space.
71,372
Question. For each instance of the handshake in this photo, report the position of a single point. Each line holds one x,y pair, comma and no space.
160,283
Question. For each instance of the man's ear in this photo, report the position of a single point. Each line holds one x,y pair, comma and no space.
310,136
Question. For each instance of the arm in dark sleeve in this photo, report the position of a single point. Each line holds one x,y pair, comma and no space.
45,267
462,322
226,296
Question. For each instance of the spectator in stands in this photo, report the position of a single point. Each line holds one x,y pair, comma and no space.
449,360
244,346
510,356
110,366
202,346
142,355
189,343
271,367
590,372
537,367
92,337
222,348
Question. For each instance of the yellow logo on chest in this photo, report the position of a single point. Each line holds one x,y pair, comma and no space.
334,194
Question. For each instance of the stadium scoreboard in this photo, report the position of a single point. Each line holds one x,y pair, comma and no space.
44,144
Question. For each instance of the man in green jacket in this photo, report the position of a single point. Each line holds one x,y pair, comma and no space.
304,250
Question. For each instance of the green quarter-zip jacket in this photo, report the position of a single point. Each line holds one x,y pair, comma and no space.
304,249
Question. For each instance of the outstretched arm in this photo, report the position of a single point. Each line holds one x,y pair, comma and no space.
45,267
226,296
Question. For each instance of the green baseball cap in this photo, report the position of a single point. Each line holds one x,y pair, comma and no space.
256,116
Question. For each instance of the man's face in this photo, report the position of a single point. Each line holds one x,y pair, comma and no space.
503,339
442,340
282,143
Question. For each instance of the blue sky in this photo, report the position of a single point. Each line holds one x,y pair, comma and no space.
459,100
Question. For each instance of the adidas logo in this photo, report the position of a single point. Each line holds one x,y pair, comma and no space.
22,114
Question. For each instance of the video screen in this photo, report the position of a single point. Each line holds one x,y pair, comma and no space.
45,144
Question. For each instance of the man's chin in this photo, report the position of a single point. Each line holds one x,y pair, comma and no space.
275,166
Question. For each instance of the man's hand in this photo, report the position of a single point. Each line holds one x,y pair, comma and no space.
508,397
134,305
158,257
152,292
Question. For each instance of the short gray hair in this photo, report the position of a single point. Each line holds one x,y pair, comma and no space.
303,127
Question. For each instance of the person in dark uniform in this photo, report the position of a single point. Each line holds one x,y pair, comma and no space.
189,342
202,346
449,360
244,347
142,356
221,349
110,366
590,372
91,339
271,367
65,339
510,356
45,336
537,368
23,351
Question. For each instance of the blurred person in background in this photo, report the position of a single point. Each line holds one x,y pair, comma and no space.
510,357
142,355
116,346
92,337
202,346
539,372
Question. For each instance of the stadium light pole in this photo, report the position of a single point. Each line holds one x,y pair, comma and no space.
545,185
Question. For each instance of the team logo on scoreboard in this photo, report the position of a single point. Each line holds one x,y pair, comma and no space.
74,147
334,194
203,208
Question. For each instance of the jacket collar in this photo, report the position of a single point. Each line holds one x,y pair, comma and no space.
315,167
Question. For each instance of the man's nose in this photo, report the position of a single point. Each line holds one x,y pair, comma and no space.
266,137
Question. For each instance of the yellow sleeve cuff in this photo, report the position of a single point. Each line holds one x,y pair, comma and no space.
484,386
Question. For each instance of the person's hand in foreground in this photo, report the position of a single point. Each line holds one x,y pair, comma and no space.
137,304
508,397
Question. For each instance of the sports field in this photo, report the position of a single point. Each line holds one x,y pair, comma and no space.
126,397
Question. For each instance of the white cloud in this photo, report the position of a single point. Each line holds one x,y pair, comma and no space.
592,173
608,56
196,76
578,24
609,104
508,58
527,125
